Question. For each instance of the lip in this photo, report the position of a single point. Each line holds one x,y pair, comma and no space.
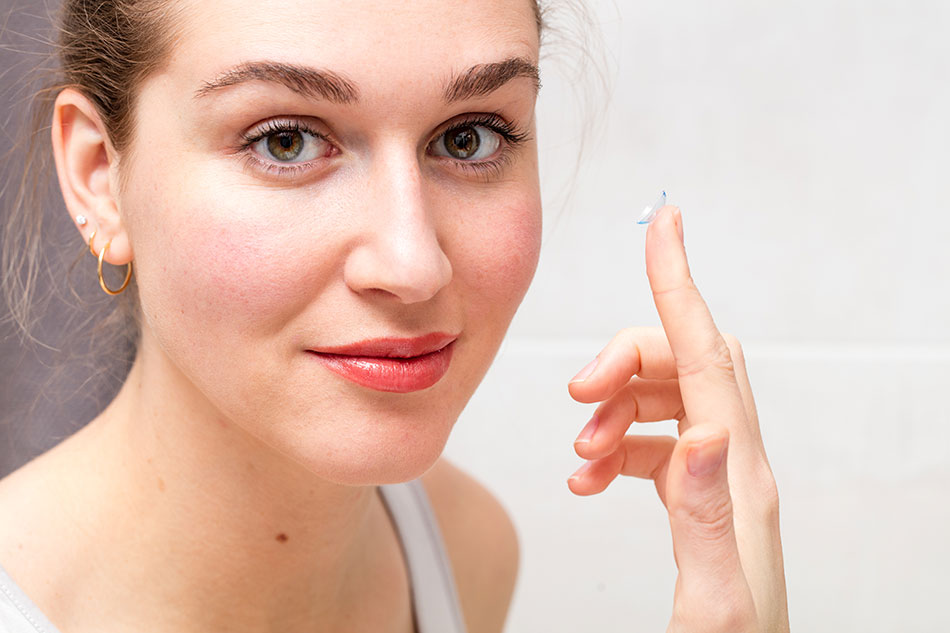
395,365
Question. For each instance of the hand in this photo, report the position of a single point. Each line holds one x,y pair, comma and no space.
715,480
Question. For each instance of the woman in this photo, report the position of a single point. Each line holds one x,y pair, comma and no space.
333,212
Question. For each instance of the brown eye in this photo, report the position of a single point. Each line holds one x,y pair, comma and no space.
285,146
290,145
468,143
462,142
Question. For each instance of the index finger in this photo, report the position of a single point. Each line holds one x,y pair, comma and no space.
703,362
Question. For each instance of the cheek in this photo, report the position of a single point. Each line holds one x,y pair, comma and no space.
499,259
241,270
208,268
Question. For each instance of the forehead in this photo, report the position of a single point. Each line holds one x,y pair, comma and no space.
372,42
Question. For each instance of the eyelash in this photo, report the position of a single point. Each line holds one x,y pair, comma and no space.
512,136
270,128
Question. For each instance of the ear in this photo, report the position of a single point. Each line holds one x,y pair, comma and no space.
86,165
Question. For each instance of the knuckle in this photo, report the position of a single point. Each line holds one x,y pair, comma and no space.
737,616
633,332
768,496
624,342
631,336
735,348
760,494
710,519
687,285
715,356
723,609
714,518
627,333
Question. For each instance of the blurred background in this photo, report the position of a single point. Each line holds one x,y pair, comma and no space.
807,144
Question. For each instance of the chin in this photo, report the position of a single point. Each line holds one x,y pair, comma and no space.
391,449
384,462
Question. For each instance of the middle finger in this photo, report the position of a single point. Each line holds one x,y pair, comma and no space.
639,401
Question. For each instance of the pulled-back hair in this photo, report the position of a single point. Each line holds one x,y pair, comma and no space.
104,49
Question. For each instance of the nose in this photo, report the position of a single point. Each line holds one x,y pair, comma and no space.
398,252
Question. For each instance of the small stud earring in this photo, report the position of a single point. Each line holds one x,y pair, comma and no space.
81,220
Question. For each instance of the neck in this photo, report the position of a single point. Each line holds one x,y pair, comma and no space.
210,519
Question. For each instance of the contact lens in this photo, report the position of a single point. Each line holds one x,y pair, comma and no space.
650,212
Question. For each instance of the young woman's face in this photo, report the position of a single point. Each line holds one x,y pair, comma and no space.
317,184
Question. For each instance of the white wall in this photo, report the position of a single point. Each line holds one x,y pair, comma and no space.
808,144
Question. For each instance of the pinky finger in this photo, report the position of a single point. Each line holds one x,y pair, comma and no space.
643,456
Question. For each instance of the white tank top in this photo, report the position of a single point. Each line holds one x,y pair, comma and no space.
434,597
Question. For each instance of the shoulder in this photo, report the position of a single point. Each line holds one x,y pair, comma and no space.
481,542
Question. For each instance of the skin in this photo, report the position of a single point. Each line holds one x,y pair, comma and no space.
241,270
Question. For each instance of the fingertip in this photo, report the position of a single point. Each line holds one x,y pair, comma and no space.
665,253
574,486
583,391
580,386
678,222
699,461
595,448
583,486
587,372
595,475
706,457
666,220
579,482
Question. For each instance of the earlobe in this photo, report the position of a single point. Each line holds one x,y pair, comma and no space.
84,160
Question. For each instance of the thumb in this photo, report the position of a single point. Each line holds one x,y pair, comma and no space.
711,587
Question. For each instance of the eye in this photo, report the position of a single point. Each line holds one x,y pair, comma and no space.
468,142
289,144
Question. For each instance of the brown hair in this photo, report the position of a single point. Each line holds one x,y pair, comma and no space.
105,50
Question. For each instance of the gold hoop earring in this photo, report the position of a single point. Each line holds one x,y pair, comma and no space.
102,282
91,238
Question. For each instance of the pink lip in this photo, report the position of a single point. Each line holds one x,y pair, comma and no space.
397,365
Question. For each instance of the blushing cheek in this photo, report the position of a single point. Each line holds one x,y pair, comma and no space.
217,270
507,259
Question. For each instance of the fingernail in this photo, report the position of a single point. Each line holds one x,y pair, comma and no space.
587,433
705,457
678,222
580,472
585,373
650,212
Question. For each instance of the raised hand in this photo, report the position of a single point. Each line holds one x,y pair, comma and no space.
715,480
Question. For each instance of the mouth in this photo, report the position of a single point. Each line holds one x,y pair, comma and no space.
395,365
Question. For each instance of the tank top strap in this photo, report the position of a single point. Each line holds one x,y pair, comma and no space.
434,596
18,614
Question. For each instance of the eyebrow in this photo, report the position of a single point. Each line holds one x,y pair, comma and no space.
484,79
309,82
477,81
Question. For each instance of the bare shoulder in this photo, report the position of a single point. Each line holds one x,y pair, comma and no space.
481,541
